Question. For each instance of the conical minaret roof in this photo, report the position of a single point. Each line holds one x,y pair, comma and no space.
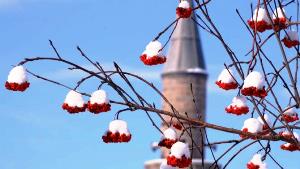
185,51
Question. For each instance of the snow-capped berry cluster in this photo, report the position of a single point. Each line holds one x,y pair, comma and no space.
291,39
279,19
290,115
253,126
267,119
99,102
169,138
164,165
17,79
257,163
74,102
184,9
117,133
254,85
180,155
226,80
238,106
260,20
290,146
153,54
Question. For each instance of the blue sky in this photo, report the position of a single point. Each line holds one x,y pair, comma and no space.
37,134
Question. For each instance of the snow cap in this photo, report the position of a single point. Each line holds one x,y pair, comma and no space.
256,160
226,76
260,14
184,4
99,97
254,79
170,133
279,13
253,125
179,149
290,112
267,119
153,49
164,165
287,133
239,101
292,35
17,75
74,99
119,126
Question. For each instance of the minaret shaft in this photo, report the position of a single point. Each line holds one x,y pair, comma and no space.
185,66
177,89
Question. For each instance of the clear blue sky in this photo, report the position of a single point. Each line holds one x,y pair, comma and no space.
37,134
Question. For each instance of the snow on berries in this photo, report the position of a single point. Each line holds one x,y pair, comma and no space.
153,54
169,138
289,146
253,126
267,119
279,19
291,39
257,163
254,85
290,115
238,106
74,103
184,9
226,80
17,79
260,20
99,102
164,165
117,133
180,155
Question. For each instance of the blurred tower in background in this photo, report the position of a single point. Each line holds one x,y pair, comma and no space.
185,66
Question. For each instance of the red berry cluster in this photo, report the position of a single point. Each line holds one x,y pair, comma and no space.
17,87
183,162
237,110
98,108
168,143
154,60
110,137
253,91
227,86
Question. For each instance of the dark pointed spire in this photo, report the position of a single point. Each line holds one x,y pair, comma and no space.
185,51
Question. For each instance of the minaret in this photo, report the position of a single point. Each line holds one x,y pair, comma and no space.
185,66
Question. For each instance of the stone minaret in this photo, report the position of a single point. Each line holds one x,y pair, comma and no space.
185,66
